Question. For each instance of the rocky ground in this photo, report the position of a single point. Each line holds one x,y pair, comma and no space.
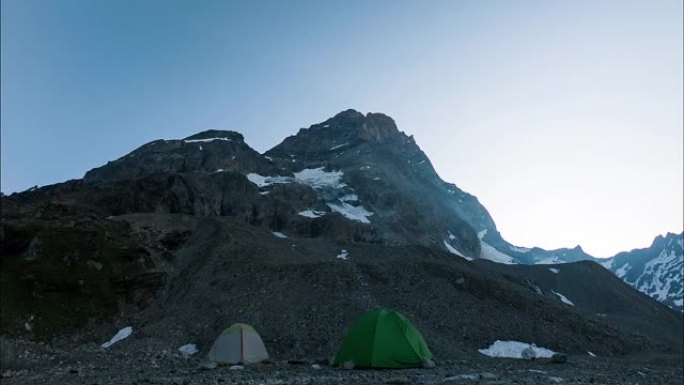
91,364
302,298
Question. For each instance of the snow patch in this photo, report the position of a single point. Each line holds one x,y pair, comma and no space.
519,249
608,263
278,234
205,140
563,298
591,354
552,260
343,255
621,272
350,198
482,233
514,349
311,214
355,213
488,251
188,349
554,270
678,302
339,146
120,335
317,178
265,181
453,250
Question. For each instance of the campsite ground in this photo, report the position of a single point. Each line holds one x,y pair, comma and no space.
90,364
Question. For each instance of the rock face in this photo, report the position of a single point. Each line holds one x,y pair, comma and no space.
191,235
385,189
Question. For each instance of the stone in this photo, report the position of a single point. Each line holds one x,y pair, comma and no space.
559,358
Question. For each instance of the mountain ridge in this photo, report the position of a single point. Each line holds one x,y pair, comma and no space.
357,185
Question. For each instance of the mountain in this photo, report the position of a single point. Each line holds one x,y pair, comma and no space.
657,270
183,236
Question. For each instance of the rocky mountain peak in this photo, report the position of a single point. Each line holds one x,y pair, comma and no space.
378,127
344,130
370,127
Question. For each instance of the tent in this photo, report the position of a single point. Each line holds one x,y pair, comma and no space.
383,339
238,344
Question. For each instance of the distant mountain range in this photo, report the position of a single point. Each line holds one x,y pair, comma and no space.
184,223
657,270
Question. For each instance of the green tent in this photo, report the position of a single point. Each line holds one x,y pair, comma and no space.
383,339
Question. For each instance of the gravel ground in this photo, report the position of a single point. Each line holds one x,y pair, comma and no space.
90,364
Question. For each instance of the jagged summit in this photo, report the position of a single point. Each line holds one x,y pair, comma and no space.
370,127
344,130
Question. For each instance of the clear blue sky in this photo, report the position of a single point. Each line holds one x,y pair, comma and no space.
563,117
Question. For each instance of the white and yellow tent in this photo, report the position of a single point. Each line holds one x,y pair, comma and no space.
238,344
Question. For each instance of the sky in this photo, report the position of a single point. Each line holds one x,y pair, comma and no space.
564,118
